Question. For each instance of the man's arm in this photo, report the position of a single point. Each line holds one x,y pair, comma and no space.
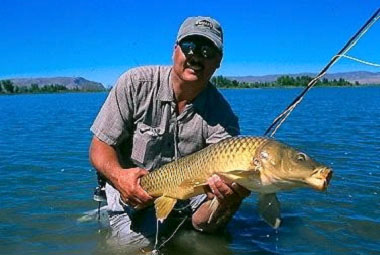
229,195
104,158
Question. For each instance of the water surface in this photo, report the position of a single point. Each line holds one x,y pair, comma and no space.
47,181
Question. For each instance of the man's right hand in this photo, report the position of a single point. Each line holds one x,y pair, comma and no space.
131,193
104,158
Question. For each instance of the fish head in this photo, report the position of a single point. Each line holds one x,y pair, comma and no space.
283,167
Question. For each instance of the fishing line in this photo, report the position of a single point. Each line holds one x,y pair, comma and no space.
283,116
175,231
361,61
156,250
342,53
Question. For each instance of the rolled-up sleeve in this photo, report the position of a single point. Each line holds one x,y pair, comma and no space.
115,119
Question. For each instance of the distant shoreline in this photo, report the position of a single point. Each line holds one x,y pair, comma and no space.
48,85
76,85
284,81
301,87
272,87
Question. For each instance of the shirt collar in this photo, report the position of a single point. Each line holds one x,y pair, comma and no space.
166,94
165,91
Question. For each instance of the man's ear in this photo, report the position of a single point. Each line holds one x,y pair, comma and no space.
219,61
174,49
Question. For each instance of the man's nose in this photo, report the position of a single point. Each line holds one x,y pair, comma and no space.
194,57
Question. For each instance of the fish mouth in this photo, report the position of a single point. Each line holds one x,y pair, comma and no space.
320,178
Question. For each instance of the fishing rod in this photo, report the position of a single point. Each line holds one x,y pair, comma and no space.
351,43
282,117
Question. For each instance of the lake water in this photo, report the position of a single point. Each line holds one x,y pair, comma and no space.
47,182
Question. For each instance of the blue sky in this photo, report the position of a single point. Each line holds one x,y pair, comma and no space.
98,40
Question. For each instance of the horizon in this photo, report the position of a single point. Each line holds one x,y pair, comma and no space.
99,41
227,76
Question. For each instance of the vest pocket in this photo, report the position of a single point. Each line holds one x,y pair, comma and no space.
146,146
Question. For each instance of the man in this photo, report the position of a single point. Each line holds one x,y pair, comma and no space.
156,114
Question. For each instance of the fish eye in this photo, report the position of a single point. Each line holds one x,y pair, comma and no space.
301,156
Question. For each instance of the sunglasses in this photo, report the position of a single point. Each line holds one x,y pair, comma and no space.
200,48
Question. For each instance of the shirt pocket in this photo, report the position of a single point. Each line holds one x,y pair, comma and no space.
147,141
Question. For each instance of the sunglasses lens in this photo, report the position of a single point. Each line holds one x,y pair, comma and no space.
207,51
199,48
187,47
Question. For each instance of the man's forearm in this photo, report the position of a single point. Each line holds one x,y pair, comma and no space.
104,158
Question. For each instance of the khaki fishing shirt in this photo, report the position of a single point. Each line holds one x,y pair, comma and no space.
139,119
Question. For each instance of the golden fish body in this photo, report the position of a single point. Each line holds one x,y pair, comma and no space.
180,178
259,164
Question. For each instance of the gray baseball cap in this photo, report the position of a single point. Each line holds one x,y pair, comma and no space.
202,26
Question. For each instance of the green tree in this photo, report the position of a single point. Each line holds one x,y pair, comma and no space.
8,86
285,81
34,87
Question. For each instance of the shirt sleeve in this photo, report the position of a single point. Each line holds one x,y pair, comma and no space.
221,120
222,131
115,119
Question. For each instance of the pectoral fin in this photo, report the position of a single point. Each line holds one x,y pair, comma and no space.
238,173
164,205
269,209
244,176
192,183
193,186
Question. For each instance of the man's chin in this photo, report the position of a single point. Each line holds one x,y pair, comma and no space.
192,75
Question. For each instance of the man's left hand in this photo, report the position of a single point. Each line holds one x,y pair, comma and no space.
226,192
229,195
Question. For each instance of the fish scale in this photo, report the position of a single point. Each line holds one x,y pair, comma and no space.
230,154
259,164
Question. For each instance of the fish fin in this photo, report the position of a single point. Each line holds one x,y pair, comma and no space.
269,209
239,173
164,205
213,206
192,186
192,183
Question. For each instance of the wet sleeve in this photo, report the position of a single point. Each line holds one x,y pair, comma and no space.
114,122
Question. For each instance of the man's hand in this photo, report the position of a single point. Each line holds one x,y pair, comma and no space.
104,158
229,196
131,193
228,193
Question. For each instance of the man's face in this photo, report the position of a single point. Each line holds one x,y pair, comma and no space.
195,59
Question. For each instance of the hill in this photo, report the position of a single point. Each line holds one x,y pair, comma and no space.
362,77
70,83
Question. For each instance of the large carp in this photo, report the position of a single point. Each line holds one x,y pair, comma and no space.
259,164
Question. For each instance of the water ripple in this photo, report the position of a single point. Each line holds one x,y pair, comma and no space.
47,181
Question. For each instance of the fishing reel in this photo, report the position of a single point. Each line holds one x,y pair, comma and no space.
100,192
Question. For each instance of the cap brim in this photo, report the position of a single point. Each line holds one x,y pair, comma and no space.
213,39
